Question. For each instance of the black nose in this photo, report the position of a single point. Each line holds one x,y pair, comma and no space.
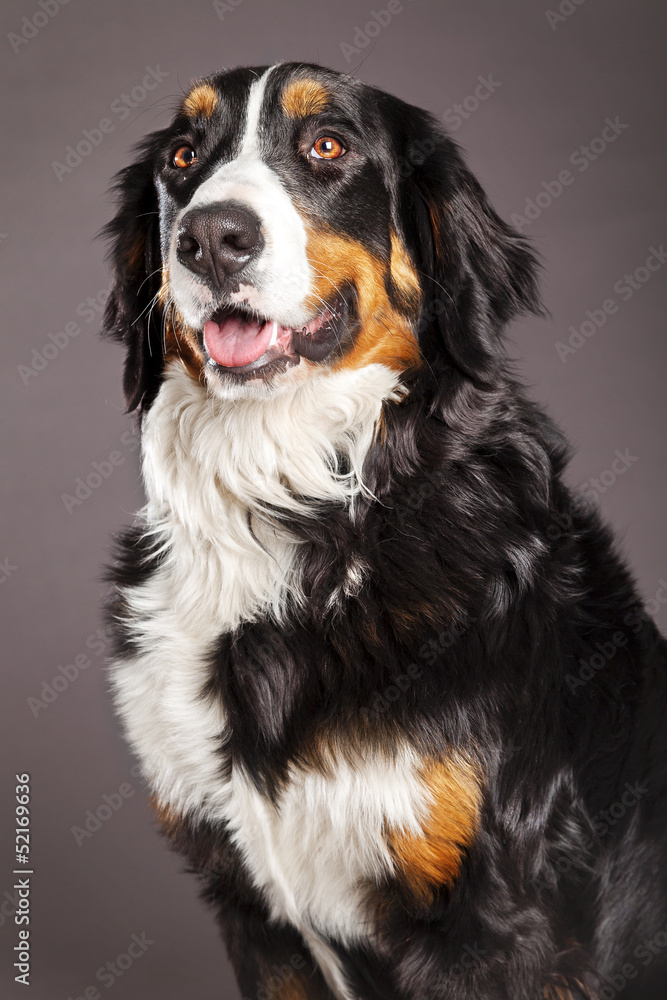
219,240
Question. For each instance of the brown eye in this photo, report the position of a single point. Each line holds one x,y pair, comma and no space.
184,156
327,148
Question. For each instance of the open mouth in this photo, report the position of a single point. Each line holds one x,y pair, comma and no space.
246,345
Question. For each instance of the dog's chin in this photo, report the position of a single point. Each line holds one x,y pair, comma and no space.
245,350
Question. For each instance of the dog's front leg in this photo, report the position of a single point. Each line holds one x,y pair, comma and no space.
271,962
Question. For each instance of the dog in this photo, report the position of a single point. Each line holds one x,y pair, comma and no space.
392,687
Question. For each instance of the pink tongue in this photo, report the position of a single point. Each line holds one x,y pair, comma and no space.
235,341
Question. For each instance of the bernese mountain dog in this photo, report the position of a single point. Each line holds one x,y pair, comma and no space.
393,689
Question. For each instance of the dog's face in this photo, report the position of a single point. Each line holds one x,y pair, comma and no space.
292,219
280,238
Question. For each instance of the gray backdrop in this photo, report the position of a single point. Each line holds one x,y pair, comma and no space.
551,81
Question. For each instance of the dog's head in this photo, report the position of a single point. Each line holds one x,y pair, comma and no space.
293,219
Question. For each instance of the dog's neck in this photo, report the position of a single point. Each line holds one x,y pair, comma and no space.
202,454
219,473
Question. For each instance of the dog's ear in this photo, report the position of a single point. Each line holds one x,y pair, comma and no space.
477,272
133,314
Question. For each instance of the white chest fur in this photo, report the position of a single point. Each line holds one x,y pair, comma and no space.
208,465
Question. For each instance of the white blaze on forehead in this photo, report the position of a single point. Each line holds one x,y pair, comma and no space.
249,146
278,282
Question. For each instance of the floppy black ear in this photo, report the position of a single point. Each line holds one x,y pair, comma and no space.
478,272
131,316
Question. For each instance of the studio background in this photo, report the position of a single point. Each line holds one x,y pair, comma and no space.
534,84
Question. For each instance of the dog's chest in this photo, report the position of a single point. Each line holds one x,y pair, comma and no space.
315,851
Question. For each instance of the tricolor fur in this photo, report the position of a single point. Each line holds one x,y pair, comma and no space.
351,616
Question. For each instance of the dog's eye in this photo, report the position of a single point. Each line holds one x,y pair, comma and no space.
184,156
327,148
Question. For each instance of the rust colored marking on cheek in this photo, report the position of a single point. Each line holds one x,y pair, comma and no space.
385,335
179,341
179,346
404,277
302,98
432,859
201,102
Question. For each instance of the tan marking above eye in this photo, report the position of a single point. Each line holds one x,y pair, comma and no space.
184,157
327,147
302,98
201,102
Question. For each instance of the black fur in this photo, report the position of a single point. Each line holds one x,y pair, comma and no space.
130,316
490,586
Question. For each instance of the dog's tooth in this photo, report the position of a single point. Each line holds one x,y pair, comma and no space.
274,335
